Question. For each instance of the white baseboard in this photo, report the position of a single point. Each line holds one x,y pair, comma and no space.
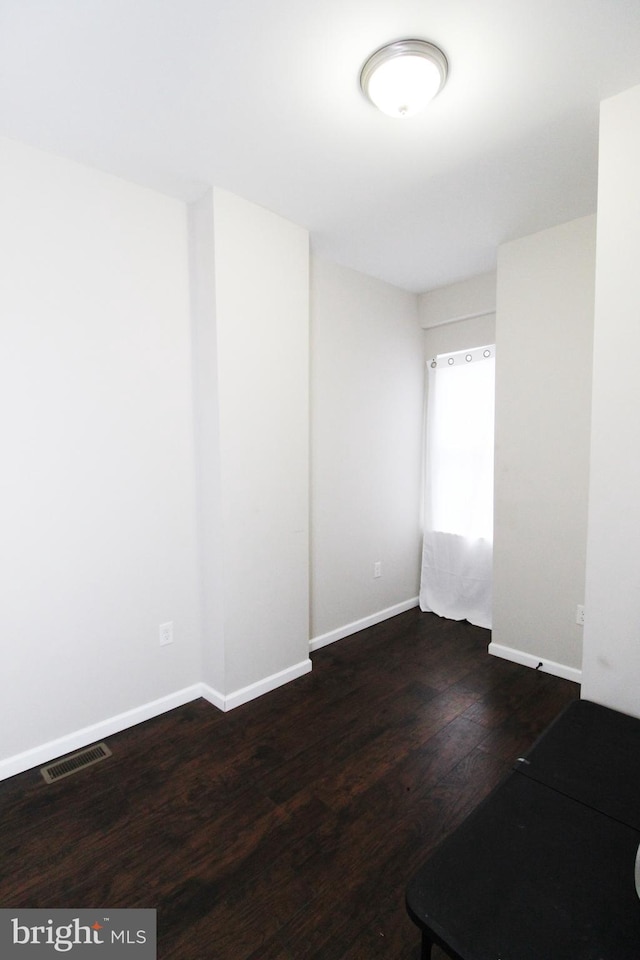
46,752
212,696
38,756
265,686
316,642
529,660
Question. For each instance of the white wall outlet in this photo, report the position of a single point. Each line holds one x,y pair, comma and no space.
166,633
377,568
580,615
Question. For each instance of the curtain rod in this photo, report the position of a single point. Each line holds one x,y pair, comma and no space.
470,316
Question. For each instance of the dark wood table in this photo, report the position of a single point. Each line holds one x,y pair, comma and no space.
544,867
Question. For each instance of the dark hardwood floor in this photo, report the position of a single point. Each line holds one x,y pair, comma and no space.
288,828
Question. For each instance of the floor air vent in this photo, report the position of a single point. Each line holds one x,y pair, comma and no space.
74,762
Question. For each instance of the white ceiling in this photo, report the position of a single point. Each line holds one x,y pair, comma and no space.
261,97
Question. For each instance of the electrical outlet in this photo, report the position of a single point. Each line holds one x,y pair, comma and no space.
166,633
377,568
580,615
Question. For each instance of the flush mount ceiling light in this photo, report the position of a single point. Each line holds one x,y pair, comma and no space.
402,77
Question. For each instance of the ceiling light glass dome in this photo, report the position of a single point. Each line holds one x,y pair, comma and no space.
401,78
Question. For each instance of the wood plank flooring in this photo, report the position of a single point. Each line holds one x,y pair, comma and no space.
288,828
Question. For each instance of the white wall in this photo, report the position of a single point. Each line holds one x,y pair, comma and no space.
474,298
544,343
459,316
98,488
461,335
155,384
207,432
262,318
612,628
367,382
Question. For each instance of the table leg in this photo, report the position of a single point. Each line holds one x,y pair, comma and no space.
427,943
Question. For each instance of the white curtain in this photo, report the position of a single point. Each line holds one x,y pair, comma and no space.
457,554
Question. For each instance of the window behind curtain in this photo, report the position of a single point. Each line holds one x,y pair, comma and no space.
460,421
458,538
